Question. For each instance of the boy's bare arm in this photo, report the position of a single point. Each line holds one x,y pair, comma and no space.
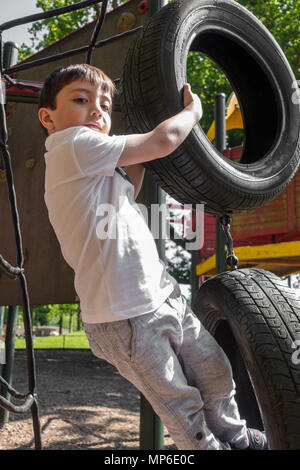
136,173
166,137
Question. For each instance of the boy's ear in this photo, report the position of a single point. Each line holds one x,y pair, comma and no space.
46,120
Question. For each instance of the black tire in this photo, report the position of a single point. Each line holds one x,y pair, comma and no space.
151,91
255,318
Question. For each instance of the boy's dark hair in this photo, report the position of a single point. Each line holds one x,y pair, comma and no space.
63,76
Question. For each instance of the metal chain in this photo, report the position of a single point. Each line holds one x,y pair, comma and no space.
231,259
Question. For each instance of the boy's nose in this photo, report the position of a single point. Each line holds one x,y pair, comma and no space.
96,111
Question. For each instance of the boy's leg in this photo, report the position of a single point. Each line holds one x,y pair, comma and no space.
207,367
146,351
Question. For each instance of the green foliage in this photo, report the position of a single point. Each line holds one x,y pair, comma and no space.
41,315
206,80
65,316
45,32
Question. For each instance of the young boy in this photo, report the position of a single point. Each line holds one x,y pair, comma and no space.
134,314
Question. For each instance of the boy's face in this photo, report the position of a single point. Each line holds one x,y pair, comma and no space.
79,104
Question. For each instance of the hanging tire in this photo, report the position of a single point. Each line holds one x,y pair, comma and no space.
255,318
151,91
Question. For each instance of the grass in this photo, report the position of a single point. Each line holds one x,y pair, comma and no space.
76,340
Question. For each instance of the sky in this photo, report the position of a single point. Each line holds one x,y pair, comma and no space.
12,9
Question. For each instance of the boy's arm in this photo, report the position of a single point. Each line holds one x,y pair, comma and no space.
136,174
166,137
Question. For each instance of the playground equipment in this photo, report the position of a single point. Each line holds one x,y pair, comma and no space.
223,185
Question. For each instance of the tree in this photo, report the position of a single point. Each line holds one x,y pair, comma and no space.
41,315
49,30
63,315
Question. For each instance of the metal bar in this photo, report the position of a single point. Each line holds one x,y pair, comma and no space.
2,344
151,427
7,369
22,98
195,281
47,14
9,270
12,391
7,406
10,54
220,123
1,53
22,84
62,55
2,312
220,139
96,31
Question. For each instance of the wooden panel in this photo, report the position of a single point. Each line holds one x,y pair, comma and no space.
269,219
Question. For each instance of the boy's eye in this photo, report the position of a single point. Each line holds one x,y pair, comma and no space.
80,100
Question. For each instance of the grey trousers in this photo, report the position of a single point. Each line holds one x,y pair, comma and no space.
180,369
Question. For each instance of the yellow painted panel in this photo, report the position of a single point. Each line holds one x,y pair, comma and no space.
278,254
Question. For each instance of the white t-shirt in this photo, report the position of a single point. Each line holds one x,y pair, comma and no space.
118,274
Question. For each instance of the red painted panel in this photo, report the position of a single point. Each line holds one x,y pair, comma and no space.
278,221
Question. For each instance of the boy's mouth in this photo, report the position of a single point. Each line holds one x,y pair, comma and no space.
93,125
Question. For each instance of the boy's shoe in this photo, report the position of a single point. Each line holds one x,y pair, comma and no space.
257,440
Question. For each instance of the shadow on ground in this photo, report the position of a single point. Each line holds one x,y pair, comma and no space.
84,404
